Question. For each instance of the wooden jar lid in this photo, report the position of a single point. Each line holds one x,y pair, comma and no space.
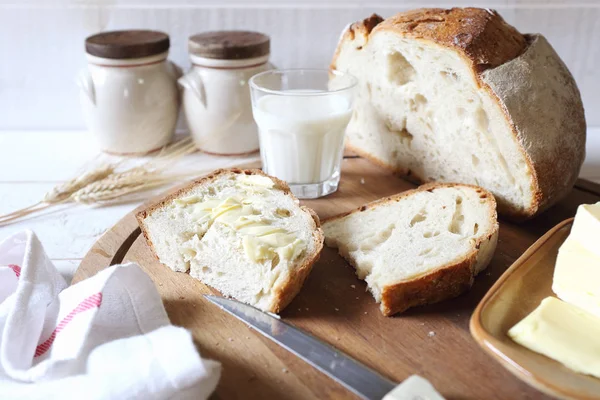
229,45
127,44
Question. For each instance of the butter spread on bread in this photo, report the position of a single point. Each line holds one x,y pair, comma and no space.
239,231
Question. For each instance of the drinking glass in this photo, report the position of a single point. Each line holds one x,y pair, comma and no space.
302,116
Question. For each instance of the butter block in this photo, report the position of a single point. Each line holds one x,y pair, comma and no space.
563,332
586,227
577,276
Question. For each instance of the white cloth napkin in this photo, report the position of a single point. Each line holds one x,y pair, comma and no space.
107,337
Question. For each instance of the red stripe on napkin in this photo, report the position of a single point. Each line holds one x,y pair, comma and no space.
16,269
91,302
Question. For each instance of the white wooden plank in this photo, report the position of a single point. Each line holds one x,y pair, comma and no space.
66,232
43,156
37,72
40,156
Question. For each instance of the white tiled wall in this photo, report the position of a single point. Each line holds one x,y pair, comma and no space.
41,41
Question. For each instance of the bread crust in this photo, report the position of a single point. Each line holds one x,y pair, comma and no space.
361,28
510,67
554,146
285,291
447,281
481,36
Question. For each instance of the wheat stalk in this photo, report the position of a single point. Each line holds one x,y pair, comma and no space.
61,192
64,191
114,186
110,192
103,183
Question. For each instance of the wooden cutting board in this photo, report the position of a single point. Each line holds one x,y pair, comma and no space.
432,341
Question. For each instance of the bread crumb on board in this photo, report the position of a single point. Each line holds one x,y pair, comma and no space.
336,309
431,334
285,370
353,286
362,181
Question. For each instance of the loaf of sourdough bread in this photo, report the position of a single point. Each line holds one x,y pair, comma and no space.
421,246
239,231
461,96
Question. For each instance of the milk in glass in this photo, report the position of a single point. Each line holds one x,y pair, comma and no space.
302,133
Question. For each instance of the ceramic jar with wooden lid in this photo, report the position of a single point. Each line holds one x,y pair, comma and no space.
129,92
216,98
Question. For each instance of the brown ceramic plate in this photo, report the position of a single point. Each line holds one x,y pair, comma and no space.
518,292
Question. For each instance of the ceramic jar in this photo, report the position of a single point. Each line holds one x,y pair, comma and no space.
216,98
129,92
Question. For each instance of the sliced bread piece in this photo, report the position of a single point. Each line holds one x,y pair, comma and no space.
420,246
461,96
239,231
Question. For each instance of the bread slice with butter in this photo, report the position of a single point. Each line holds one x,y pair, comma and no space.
420,246
239,231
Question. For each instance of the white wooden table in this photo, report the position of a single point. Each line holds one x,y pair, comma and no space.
31,163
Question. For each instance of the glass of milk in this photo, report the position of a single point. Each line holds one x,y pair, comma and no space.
302,116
